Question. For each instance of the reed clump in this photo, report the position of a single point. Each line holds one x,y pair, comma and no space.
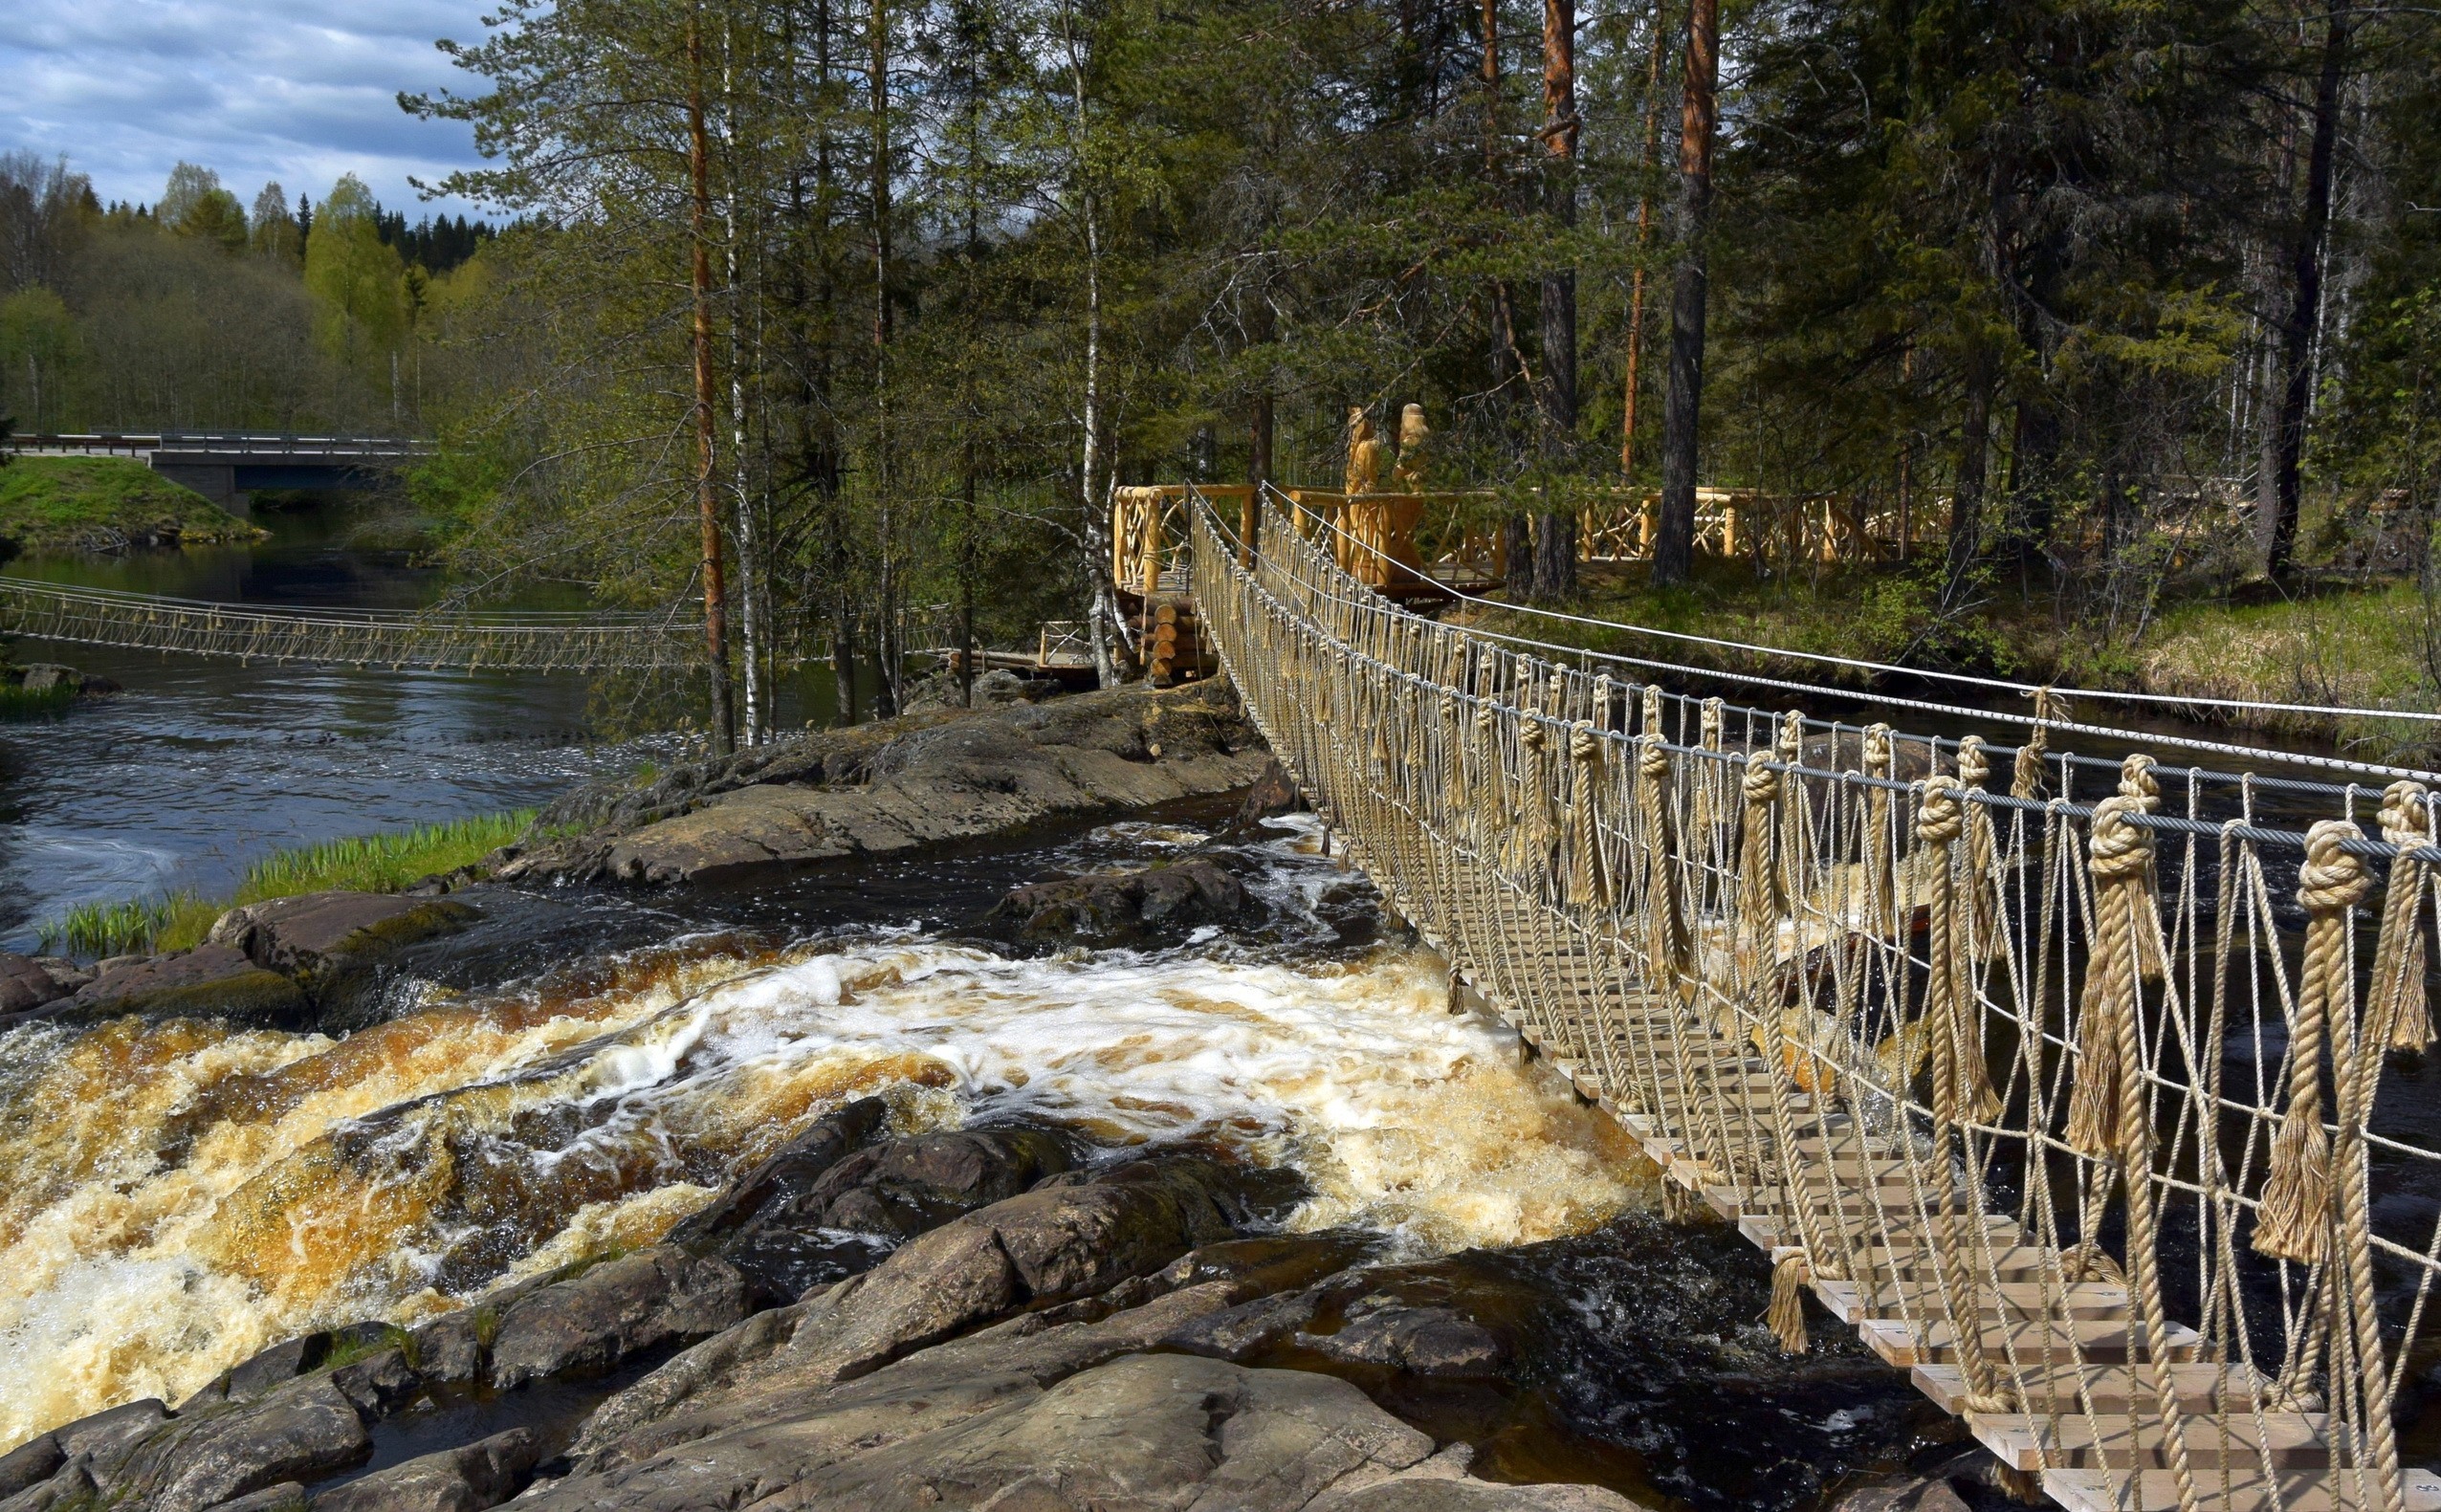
384,862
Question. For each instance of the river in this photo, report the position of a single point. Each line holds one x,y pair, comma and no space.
582,1069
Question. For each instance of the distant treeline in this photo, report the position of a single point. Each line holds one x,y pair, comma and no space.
200,311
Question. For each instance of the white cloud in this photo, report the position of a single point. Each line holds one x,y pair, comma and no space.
301,90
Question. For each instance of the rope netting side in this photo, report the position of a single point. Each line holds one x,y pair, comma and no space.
1974,1066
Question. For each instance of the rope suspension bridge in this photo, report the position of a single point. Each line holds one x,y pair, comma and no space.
2074,1097
428,640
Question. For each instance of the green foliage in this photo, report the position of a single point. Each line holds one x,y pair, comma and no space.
384,862
18,702
354,278
60,503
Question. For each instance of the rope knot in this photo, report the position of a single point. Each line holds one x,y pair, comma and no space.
1877,749
2119,848
1940,816
1792,741
1761,785
2135,780
1974,767
1532,734
1585,743
2406,812
1714,716
2332,879
1652,758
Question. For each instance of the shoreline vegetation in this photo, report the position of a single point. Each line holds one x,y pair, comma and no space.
2360,643
50,504
390,861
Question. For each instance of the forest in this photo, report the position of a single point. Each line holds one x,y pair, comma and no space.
843,317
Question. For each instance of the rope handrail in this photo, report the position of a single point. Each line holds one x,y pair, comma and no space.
1980,1069
437,638
1866,665
2038,720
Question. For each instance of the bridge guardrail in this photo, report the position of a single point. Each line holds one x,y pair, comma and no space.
2076,1104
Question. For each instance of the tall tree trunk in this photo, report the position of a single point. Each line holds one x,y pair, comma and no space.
1966,498
2279,528
750,563
1555,529
1259,435
889,687
1516,531
1674,543
1095,511
1632,389
715,606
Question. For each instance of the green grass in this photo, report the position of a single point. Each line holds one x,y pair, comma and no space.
74,503
365,864
16,703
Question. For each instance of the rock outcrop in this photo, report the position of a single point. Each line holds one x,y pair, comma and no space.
940,775
210,981
332,944
1155,905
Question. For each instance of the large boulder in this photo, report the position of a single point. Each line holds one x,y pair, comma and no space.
25,984
303,1432
940,775
1058,1244
468,1478
597,1321
210,981
1115,908
333,943
794,1222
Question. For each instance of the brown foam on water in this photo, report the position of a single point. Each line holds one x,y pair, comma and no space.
174,1197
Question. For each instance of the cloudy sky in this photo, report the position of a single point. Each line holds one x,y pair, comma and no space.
301,90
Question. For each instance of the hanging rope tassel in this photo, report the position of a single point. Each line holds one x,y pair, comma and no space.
1669,948
2295,1222
2120,854
1962,1084
2026,777
1589,881
1880,884
1983,849
1532,841
1790,1275
2402,1011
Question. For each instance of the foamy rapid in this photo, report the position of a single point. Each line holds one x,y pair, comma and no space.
174,1197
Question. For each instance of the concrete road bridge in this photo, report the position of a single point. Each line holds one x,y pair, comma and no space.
227,466
2085,1087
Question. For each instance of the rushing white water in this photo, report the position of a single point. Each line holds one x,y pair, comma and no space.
173,1198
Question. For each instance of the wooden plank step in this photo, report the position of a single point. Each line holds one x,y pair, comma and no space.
2016,1262
2119,1441
1763,1228
1850,1302
2239,1491
2203,1386
2102,1341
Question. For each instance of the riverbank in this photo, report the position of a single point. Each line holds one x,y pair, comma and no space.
104,504
1126,1154
2371,645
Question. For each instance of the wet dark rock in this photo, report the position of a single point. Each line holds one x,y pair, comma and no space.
452,1350
286,1496
1905,1494
1248,1330
1452,1494
210,981
615,1310
1273,792
1120,908
41,677
781,1224
72,1487
102,1434
1424,1341
1062,1243
24,984
333,943
283,1362
470,1479
31,1463
922,778
303,1432
379,1384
